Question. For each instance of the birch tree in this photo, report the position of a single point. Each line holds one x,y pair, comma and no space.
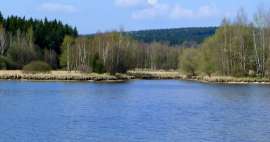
3,41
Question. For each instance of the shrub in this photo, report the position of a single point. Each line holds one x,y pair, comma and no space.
7,64
97,65
21,55
37,66
3,63
189,61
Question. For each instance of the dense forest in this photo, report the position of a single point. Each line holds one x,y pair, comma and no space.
174,36
24,40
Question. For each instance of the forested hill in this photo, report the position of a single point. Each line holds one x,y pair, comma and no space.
24,40
47,34
175,36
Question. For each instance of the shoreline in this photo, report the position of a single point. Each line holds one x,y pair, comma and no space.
230,80
130,75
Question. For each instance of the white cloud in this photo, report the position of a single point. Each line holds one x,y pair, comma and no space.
202,12
179,12
152,2
128,3
57,7
155,9
134,3
207,11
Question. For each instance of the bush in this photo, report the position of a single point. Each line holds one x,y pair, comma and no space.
21,55
7,64
37,66
3,64
189,61
97,65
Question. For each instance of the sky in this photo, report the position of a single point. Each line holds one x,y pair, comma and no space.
90,16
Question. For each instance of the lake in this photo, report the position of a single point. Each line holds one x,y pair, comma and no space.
134,111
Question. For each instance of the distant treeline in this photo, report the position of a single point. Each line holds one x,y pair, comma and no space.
176,36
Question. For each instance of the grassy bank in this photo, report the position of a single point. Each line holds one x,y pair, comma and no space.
135,74
231,80
144,74
61,75
150,74
66,75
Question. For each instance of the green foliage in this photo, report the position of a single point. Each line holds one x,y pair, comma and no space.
22,50
7,63
114,52
3,63
43,34
97,65
1,18
207,58
65,57
238,48
20,56
47,34
37,66
50,56
189,61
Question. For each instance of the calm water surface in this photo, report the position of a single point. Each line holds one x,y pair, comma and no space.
135,111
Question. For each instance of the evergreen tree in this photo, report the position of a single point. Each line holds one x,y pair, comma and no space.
1,18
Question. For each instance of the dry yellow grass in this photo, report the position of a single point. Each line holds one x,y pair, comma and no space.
59,75
152,74
134,74
232,80
73,75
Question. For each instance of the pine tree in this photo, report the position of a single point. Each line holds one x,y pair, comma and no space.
1,18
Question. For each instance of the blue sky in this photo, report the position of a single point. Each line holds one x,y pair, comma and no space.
90,16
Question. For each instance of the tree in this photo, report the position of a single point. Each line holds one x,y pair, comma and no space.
97,64
239,47
65,57
22,49
3,40
50,57
260,36
1,18
189,61
207,58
